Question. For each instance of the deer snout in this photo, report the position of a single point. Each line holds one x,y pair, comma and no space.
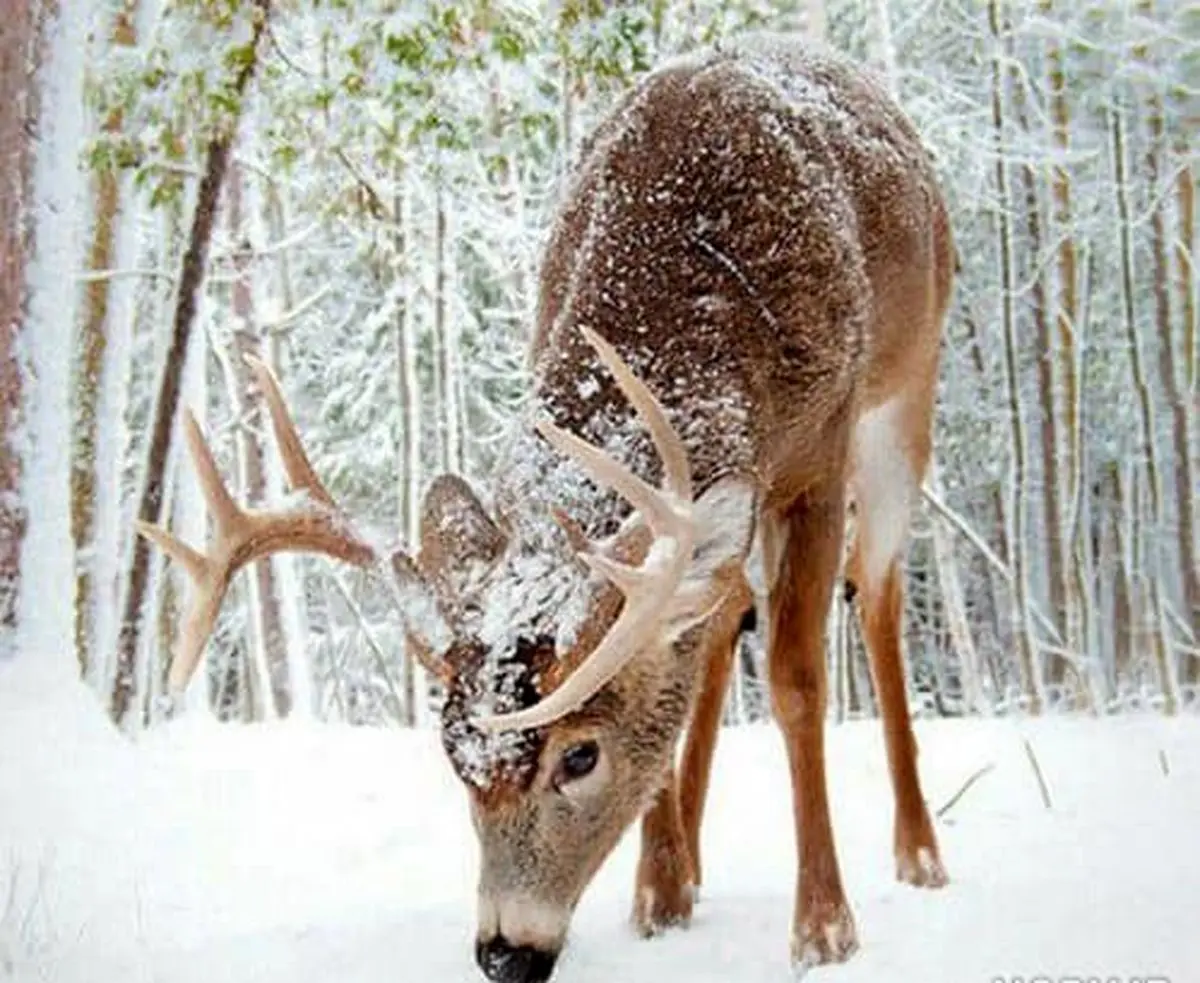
503,962
519,939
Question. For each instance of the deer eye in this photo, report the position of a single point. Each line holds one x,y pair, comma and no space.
578,761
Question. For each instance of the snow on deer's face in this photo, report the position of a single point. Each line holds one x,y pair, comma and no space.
548,804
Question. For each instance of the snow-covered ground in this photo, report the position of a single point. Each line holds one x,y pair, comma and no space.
311,853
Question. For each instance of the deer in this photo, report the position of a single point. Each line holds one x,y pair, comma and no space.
736,340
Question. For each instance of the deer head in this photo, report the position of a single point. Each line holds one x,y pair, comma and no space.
571,671
568,665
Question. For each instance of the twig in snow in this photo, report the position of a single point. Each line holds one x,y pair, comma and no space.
971,780
1037,770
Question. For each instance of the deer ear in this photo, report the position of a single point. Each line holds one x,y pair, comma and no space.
725,517
456,531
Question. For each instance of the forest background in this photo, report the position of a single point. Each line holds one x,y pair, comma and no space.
359,193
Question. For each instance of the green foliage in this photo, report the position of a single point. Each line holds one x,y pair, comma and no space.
175,96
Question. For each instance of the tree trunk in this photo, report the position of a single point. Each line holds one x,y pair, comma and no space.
816,19
21,44
87,470
1168,358
1048,440
1048,433
885,53
247,405
408,451
1148,601
957,622
288,568
190,280
1185,260
49,62
1185,253
444,337
1068,325
1022,622
1114,565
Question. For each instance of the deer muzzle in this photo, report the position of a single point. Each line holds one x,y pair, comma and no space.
519,938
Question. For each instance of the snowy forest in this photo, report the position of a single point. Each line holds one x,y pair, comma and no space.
358,193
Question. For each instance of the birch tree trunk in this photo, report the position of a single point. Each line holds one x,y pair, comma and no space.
287,567
190,280
1185,263
445,336
408,450
1048,439
957,622
1076,596
566,113
1018,559
1180,457
265,610
1148,603
49,98
190,511
88,471
20,46
816,19
885,48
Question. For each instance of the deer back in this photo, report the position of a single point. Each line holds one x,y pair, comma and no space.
757,230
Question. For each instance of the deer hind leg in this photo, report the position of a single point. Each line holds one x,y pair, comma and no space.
668,870
803,550
889,464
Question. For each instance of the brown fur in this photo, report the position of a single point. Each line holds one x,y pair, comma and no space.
758,233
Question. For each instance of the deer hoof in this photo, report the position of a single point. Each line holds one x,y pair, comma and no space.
921,868
824,935
655,911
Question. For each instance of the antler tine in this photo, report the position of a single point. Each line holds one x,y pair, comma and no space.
241,536
646,588
628,579
195,563
296,464
198,625
663,513
641,496
224,509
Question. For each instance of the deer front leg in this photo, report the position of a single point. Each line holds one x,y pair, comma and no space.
806,546
664,892
720,650
668,873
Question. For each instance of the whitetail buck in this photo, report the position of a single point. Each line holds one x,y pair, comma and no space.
740,310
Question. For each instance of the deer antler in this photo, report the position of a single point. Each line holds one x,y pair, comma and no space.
649,588
242,536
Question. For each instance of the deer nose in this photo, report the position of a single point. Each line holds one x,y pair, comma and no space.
503,962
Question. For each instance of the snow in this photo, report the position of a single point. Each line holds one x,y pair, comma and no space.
306,852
